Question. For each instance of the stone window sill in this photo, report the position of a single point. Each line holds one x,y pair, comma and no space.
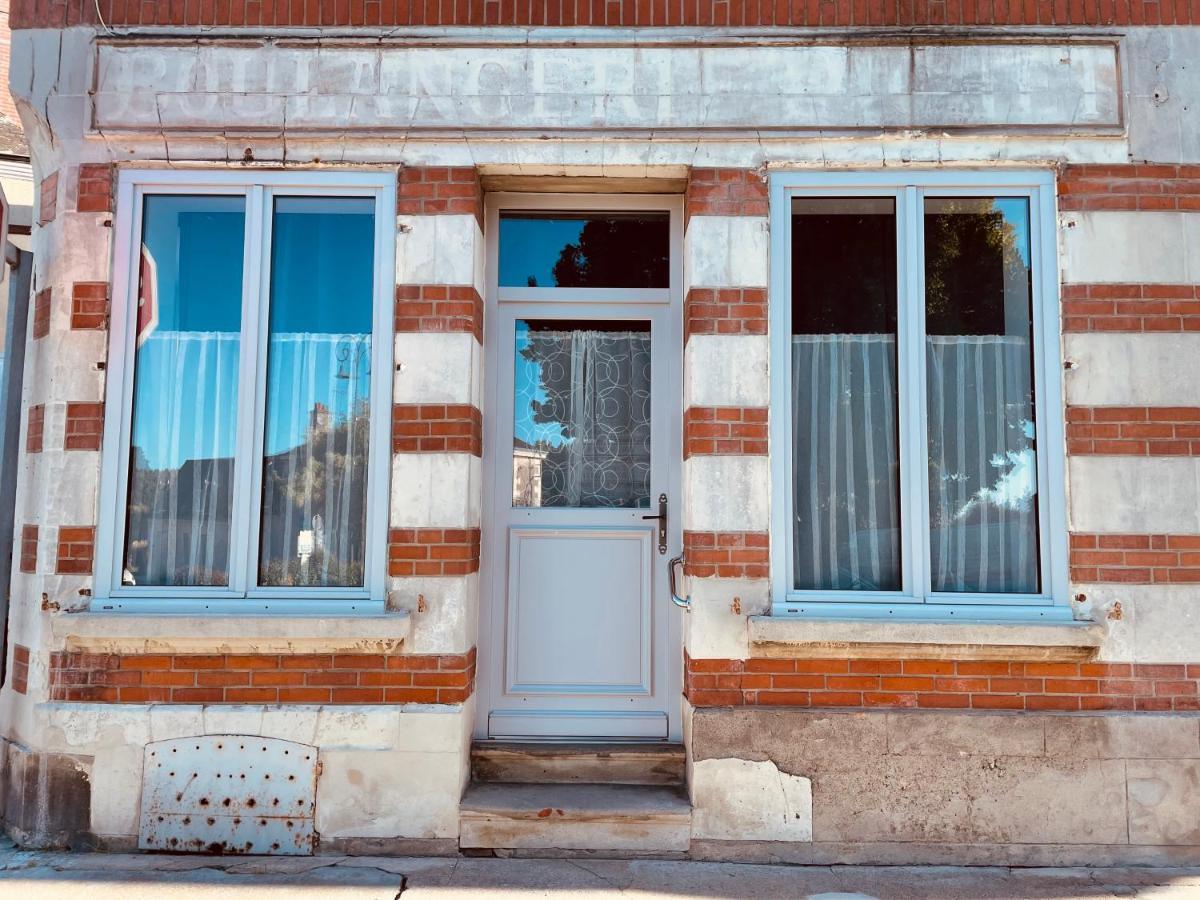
92,632
859,639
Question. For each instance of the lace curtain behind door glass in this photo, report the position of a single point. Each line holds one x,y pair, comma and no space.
581,424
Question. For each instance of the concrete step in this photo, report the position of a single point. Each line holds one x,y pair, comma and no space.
598,817
517,763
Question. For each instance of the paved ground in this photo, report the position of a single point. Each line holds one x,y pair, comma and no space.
59,876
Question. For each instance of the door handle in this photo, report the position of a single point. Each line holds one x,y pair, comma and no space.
681,602
662,523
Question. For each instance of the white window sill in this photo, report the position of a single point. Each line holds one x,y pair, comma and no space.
772,636
124,632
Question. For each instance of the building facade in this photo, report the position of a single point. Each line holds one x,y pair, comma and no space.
579,427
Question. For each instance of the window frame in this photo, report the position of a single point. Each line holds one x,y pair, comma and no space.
916,600
243,595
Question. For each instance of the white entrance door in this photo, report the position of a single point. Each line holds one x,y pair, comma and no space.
580,639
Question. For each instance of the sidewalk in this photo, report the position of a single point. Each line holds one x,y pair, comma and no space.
57,876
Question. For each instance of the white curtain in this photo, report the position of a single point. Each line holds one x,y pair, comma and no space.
982,472
314,468
181,466
982,468
845,464
595,386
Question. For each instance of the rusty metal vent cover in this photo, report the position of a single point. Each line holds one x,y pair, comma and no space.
229,793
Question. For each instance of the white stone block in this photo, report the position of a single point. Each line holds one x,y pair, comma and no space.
439,250
727,370
1111,246
116,790
356,727
726,251
387,795
1146,622
441,729
726,493
1135,494
436,490
714,629
438,368
741,800
444,611
1132,369
168,721
221,719
86,728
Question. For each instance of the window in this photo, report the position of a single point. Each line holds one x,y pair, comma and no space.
917,394
250,365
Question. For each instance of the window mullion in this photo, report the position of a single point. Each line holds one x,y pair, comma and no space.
914,443
245,535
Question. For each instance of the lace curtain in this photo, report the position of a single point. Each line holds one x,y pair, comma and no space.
588,399
314,466
982,470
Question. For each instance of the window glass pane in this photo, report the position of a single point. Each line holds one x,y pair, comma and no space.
314,490
845,453
581,426
185,391
612,250
979,358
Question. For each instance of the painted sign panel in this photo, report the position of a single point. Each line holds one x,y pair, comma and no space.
192,86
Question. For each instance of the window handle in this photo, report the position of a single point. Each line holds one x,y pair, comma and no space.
662,523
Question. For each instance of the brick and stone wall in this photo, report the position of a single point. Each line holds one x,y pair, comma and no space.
345,678
944,684
1053,752
625,13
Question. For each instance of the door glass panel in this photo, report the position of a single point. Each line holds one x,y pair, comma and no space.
314,477
845,438
979,374
609,250
581,422
185,391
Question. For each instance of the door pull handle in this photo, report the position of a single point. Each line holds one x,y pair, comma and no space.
662,523
684,603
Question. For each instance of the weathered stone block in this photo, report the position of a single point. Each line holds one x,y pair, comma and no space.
1163,801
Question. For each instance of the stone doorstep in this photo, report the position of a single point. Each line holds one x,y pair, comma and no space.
598,817
577,763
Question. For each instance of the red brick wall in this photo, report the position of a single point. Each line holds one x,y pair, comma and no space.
439,190
387,13
942,684
84,426
76,548
29,549
48,198
36,430
439,308
89,304
20,669
433,551
1131,307
261,678
725,192
726,554
95,188
1135,558
437,428
1130,186
724,431
725,311
41,313
1133,430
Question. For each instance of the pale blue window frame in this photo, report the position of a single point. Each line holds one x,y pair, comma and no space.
258,189
916,600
